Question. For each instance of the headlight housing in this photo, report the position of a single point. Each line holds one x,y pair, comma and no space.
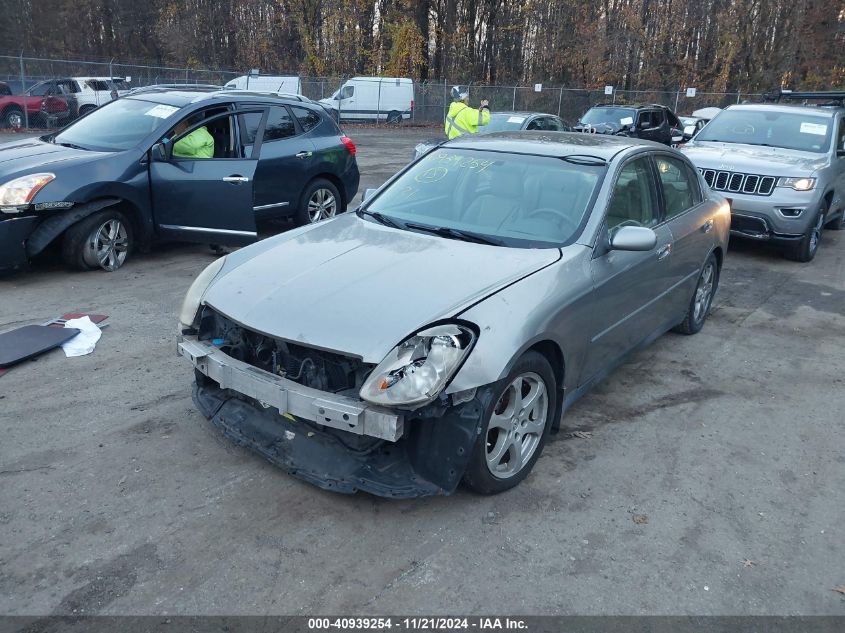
417,370
799,184
21,191
194,295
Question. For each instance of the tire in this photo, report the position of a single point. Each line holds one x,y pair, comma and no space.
394,117
91,243
805,250
493,466
320,201
702,298
13,118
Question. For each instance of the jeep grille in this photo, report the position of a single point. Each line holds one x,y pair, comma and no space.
737,182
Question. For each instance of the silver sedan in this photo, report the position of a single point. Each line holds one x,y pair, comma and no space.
438,334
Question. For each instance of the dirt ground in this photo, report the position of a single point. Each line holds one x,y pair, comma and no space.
707,477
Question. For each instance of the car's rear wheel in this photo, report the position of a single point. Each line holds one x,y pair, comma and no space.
805,250
320,201
102,240
702,298
13,118
514,428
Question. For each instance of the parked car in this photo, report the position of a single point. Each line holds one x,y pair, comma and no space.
482,290
16,110
110,181
782,167
388,99
506,122
650,122
62,90
266,83
694,123
92,92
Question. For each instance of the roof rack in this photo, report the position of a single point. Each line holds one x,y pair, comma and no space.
833,97
266,93
169,87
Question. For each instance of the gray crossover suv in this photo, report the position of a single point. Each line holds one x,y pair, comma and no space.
781,166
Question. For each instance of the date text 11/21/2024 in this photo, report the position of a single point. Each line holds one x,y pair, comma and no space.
419,623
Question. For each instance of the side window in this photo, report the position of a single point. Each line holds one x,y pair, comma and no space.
680,187
250,121
308,119
39,90
279,124
536,124
347,91
554,124
634,200
840,136
212,139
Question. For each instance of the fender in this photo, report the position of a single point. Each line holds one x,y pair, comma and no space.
55,225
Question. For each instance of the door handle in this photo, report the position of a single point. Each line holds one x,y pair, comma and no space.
707,226
304,154
236,180
663,252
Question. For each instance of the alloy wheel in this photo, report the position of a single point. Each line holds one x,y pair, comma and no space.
107,246
15,120
516,425
322,205
704,291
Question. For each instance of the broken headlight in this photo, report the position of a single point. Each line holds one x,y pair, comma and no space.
417,369
194,295
21,191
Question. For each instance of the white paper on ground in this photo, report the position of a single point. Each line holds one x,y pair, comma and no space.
84,342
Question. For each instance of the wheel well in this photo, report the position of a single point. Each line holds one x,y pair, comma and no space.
336,182
10,107
552,352
720,256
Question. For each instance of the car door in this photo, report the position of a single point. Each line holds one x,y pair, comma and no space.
650,126
205,199
629,287
284,166
690,223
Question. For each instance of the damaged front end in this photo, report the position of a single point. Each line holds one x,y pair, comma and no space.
298,406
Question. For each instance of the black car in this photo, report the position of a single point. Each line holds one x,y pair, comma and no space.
110,181
650,122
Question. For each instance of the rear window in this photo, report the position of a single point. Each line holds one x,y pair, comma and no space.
308,119
279,124
770,128
96,84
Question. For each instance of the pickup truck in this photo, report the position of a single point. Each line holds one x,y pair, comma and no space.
40,109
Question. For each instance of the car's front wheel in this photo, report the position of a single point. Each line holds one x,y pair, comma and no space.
13,118
702,298
320,201
102,240
514,428
805,250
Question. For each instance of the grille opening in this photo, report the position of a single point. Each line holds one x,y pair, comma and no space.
739,182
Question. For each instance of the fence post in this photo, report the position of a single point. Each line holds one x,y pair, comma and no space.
560,101
444,100
378,105
513,107
738,95
677,98
23,90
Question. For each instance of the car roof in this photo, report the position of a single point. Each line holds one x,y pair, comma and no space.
519,113
632,106
181,98
825,111
553,144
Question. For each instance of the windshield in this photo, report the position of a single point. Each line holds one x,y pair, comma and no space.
688,120
616,116
513,199
790,130
116,126
504,123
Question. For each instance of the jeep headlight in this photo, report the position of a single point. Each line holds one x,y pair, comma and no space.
191,303
799,184
21,191
417,370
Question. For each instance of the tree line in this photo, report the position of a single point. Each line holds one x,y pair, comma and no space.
716,45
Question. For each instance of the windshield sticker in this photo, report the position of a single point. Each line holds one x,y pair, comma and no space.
819,129
161,111
459,161
516,119
627,120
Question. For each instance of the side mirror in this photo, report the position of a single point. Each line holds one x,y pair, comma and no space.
644,125
633,238
161,152
368,193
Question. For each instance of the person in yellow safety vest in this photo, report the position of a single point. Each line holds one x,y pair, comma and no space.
197,144
463,119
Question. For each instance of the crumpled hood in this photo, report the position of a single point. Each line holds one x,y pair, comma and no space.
28,155
753,159
352,286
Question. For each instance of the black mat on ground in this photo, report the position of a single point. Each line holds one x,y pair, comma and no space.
31,340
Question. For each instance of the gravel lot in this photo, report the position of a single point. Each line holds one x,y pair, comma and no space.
117,497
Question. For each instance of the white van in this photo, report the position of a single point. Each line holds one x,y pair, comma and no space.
388,99
266,83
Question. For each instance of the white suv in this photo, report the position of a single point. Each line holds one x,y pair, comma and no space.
92,92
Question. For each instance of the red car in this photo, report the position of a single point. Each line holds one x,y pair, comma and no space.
44,109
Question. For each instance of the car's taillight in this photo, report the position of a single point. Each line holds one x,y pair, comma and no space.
412,105
349,144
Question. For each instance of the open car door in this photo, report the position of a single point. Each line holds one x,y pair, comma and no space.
200,199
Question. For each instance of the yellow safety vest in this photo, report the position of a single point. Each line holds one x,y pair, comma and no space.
462,119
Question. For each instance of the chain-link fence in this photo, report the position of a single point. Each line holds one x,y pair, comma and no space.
38,92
